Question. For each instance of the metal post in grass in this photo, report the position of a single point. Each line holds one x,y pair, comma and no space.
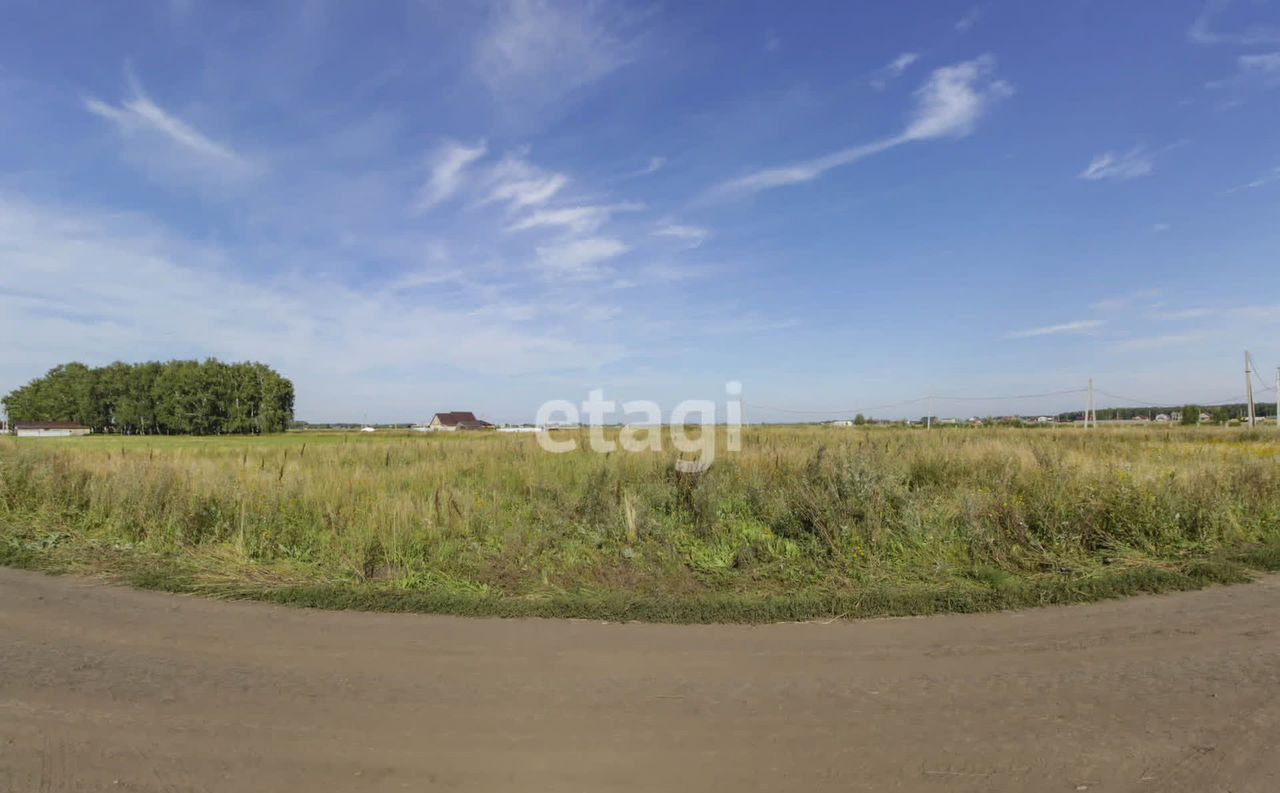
1248,384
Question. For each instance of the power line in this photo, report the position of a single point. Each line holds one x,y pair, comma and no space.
1145,403
992,398
827,412
1015,396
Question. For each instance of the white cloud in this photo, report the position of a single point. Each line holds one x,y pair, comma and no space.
448,165
1109,165
801,172
1201,30
1257,313
948,104
520,184
1253,72
655,164
1110,304
954,98
538,51
1158,342
1078,326
1262,181
693,236
417,279
970,19
144,124
1160,227
78,284
1118,302
579,259
892,70
1265,66
1180,314
576,219
140,113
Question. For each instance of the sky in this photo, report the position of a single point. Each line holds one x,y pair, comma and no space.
418,206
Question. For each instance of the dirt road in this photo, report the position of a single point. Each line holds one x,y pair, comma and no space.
105,688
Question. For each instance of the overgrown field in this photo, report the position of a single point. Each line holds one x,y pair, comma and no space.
803,523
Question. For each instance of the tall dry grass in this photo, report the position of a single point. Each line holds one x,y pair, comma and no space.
799,509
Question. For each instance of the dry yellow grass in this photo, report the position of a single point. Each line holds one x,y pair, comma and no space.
800,510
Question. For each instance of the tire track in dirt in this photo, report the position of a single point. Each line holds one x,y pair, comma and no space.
103,687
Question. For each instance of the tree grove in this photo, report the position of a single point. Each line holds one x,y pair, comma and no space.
173,398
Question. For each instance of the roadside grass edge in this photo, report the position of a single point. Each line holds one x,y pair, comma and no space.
166,575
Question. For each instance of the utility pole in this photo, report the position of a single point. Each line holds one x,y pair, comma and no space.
1278,396
1089,409
928,420
1248,384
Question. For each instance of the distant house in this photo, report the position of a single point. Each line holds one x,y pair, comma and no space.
456,420
1162,417
1205,418
1044,420
842,423
48,429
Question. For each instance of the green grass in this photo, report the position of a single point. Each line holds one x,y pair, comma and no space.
805,523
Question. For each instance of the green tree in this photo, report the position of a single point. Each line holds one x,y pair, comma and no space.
177,397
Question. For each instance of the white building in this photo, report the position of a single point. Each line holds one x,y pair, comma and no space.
48,429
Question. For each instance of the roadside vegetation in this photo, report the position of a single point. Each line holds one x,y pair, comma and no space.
803,523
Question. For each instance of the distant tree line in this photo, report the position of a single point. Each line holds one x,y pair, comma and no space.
1218,414
153,398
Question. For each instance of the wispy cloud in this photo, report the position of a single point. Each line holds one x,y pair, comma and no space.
539,51
448,165
1128,165
1267,178
655,165
1158,342
949,104
575,219
62,289
1260,313
1253,72
520,184
1121,302
1178,314
892,70
141,113
692,236
966,22
954,98
1201,30
1078,326
141,120
579,259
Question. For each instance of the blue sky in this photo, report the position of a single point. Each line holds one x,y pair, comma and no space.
418,206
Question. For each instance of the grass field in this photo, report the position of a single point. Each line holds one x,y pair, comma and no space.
803,523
